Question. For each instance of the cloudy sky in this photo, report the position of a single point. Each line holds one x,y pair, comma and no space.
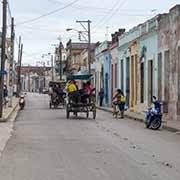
40,34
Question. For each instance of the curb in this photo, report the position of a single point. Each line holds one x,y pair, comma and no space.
165,127
5,119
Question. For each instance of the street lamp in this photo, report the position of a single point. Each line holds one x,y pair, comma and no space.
80,33
52,64
84,33
59,53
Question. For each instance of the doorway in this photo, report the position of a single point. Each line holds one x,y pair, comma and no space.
133,89
142,81
127,81
150,82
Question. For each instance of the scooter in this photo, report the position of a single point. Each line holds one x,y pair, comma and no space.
153,118
21,102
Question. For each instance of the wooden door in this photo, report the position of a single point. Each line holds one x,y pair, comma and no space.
150,81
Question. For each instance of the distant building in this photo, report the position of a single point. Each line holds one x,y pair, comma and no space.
35,78
57,62
74,50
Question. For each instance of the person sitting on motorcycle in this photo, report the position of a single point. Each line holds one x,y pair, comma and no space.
157,105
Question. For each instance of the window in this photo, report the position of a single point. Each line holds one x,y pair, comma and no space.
116,75
122,75
142,82
160,76
166,80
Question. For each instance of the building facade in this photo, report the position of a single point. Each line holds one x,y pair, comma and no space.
35,78
169,62
114,61
102,70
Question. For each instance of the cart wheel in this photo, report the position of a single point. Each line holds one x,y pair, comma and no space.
67,114
67,111
87,114
94,114
76,114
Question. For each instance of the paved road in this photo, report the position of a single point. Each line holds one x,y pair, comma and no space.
46,146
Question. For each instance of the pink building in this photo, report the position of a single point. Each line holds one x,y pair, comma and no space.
114,60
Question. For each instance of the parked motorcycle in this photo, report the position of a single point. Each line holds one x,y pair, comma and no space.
21,102
153,118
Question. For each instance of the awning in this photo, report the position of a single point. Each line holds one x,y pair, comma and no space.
3,72
80,76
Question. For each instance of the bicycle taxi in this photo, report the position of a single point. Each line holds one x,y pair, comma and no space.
57,94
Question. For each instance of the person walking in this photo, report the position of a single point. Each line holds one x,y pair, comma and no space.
122,104
120,101
5,95
101,97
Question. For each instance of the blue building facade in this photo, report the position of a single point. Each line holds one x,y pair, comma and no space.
107,77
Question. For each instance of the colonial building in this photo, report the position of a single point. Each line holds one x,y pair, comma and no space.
35,78
114,60
7,65
74,50
58,66
149,56
169,62
103,63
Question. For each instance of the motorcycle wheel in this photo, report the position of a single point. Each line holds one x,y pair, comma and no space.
147,125
155,124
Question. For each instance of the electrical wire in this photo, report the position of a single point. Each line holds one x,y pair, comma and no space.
47,14
110,11
9,9
9,15
40,29
114,12
101,8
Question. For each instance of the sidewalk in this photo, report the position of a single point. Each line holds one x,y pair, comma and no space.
173,126
7,123
7,111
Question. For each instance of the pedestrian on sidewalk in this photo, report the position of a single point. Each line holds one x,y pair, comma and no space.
122,104
5,95
101,97
119,101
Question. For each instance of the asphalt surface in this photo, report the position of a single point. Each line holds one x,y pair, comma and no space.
47,146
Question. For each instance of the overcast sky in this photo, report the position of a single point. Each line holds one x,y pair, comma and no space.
39,36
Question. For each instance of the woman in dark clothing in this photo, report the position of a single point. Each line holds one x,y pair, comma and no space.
101,97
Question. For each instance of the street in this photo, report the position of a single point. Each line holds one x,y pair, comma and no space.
47,146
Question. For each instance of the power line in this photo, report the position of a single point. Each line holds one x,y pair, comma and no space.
101,8
40,29
9,10
102,19
47,14
9,15
114,12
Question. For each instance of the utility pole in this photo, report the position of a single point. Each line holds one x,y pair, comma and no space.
88,30
19,69
44,65
60,60
52,66
68,62
3,54
89,46
11,63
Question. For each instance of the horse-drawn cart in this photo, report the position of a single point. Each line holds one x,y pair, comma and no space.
80,102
